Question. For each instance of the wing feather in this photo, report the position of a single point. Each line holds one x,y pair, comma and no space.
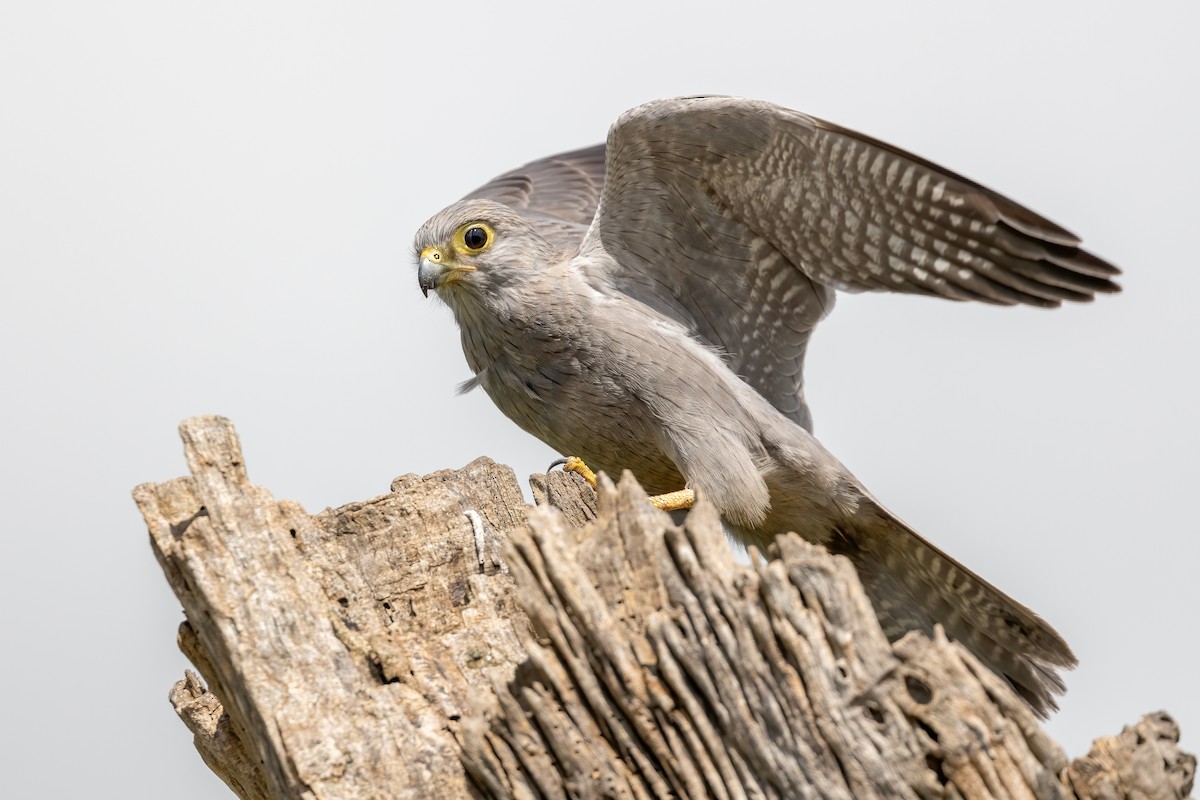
715,208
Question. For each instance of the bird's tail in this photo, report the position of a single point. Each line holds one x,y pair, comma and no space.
914,585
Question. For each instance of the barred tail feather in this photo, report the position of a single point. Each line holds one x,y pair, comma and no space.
914,585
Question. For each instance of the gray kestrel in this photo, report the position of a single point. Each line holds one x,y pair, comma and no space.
646,305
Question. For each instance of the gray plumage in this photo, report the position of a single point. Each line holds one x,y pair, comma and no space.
647,306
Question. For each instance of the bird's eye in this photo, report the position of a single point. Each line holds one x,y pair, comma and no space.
475,238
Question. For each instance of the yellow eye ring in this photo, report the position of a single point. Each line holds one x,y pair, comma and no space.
475,237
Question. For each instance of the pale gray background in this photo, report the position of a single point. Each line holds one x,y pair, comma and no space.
207,208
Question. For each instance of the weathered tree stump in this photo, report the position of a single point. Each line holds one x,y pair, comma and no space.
447,640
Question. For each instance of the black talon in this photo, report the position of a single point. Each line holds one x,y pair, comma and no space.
557,463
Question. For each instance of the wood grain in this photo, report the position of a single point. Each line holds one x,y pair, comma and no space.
447,640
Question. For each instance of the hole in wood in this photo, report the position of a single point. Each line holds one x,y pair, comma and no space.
935,764
918,690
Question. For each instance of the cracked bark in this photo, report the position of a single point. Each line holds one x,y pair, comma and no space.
447,640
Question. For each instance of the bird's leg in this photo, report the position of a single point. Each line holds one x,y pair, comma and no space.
671,501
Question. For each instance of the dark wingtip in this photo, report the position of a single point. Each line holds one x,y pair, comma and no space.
1082,261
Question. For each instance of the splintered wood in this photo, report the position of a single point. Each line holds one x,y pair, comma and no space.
446,640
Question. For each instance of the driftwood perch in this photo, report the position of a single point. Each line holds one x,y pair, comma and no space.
447,640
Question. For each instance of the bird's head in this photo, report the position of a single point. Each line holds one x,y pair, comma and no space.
476,246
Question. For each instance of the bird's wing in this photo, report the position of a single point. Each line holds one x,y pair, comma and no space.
557,195
736,217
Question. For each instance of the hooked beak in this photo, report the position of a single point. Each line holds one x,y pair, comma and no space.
436,268
429,275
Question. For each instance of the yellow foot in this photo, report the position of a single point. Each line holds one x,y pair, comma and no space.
674,501
671,501
575,464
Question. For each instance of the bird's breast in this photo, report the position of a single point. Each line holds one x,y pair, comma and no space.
569,391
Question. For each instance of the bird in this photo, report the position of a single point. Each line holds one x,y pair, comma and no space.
646,305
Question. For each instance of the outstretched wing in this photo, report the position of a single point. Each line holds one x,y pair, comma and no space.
737,217
558,194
